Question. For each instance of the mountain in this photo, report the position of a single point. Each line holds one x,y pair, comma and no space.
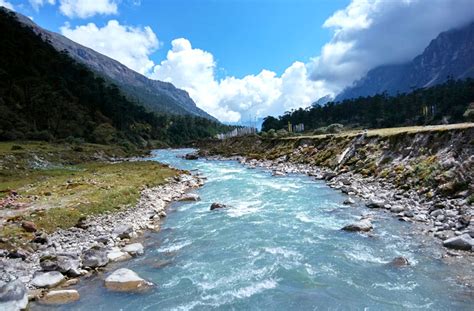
157,96
450,55
47,95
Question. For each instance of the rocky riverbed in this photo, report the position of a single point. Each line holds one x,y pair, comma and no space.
59,258
451,220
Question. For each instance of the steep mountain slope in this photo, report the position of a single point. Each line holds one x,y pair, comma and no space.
155,95
451,54
47,95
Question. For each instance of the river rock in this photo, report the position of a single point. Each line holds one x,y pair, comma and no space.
362,225
29,226
117,255
191,156
189,197
399,262
62,296
462,242
63,263
94,257
13,296
375,203
124,232
348,201
125,280
217,206
47,279
134,249
397,209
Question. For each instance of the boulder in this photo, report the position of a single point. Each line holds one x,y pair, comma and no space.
124,232
189,197
363,225
68,264
62,296
40,238
348,201
94,257
125,280
399,262
117,255
461,242
13,296
191,156
375,203
29,226
217,205
134,249
397,209
47,279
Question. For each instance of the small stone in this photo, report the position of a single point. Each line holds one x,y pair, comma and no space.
117,256
47,279
70,282
348,201
60,297
124,232
125,280
134,249
397,209
29,226
398,262
375,203
189,197
363,225
217,206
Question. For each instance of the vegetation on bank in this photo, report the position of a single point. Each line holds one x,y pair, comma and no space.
46,95
448,102
54,186
433,160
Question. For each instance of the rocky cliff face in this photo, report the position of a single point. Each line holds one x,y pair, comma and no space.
451,54
156,95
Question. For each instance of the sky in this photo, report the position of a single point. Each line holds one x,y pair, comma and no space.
245,59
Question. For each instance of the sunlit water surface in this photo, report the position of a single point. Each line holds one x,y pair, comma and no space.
278,247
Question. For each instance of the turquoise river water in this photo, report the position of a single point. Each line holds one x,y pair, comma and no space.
278,247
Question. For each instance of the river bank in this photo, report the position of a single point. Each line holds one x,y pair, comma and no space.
97,241
421,175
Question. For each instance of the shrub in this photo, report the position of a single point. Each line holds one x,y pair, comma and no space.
334,128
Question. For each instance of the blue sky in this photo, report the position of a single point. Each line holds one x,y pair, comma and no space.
244,36
241,59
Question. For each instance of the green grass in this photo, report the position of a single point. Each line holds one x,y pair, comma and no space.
58,195
383,132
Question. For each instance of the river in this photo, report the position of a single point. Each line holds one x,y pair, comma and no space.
278,247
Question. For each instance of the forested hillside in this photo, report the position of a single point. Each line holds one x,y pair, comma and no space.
46,95
447,102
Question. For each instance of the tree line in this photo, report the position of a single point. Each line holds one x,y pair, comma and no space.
444,103
46,95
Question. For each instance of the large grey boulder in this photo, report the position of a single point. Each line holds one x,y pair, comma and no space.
124,232
362,225
47,279
68,264
94,257
126,280
462,242
116,255
13,296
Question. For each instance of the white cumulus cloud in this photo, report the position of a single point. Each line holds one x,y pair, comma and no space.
129,45
87,8
36,4
6,4
232,99
369,33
